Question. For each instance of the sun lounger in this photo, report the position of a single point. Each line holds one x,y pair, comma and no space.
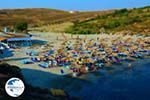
27,61
44,65
34,59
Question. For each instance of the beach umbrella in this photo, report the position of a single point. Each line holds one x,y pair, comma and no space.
129,39
134,47
114,54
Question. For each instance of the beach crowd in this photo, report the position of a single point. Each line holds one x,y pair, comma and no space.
82,55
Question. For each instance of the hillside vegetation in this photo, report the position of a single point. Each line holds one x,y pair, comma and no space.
126,21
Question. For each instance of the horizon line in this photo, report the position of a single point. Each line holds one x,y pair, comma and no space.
70,9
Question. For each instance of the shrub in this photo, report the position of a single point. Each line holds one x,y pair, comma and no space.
122,12
22,26
112,24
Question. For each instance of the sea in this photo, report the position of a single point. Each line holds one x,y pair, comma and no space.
117,82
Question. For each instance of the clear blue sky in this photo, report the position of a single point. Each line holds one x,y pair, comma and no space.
74,4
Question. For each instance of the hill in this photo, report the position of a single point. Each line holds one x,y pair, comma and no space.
37,17
126,21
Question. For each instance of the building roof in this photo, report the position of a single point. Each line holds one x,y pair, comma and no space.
15,35
4,36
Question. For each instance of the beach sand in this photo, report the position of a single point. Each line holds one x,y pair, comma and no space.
55,40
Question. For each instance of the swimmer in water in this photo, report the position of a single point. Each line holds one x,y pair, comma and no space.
129,65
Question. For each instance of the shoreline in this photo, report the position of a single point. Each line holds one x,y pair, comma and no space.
72,85
83,77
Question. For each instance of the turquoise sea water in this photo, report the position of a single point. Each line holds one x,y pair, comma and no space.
113,83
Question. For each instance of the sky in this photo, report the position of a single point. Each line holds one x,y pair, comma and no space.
74,4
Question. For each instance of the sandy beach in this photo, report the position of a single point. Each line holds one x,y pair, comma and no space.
55,40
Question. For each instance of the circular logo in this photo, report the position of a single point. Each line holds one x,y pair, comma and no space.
14,87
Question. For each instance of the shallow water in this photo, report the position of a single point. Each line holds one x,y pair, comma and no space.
116,83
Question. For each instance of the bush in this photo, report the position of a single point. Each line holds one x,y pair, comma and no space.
133,19
22,26
112,24
122,12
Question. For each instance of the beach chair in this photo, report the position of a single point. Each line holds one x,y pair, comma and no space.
44,65
34,59
27,61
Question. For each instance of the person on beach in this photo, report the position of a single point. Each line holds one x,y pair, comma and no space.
62,71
